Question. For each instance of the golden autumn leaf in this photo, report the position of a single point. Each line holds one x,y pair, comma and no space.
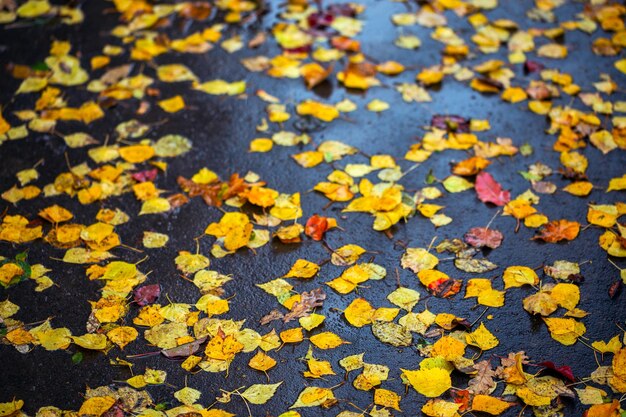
517,276
313,396
482,338
327,340
490,405
428,382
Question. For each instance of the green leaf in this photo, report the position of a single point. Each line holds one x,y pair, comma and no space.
40,66
430,178
77,358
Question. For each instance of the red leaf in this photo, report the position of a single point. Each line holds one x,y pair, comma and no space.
147,294
565,371
316,226
615,289
147,175
461,397
483,236
489,191
444,287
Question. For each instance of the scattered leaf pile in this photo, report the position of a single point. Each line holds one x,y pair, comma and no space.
391,296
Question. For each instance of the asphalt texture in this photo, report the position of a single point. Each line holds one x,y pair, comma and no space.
221,129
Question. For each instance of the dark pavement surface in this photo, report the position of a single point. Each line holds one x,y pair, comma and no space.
221,129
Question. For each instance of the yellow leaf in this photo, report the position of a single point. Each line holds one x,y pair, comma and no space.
52,339
408,42
292,335
575,161
152,240
136,154
174,73
482,338
514,95
93,341
187,396
327,340
154,376
96,406
540,107
487,296
418,259
219,87
190,263
318,368
552,50
11,408
359,312
313,396
387,398
377,106
517,276
260,393
324,112
172,104
602,215
456,184
4,125
352,362
311,321
613,346
155,205
309,159
165,335
347,255
428,382
302,269
83,256
441,408
404,298
590,395
565,331
261,145
33,8
56,214
490,405
261,362
212,305
566,295
448,348
122,335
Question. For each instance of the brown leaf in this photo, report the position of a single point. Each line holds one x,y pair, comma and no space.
308,301
271,316
483,382
257,40
616,288
216,192
113,75
184,350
